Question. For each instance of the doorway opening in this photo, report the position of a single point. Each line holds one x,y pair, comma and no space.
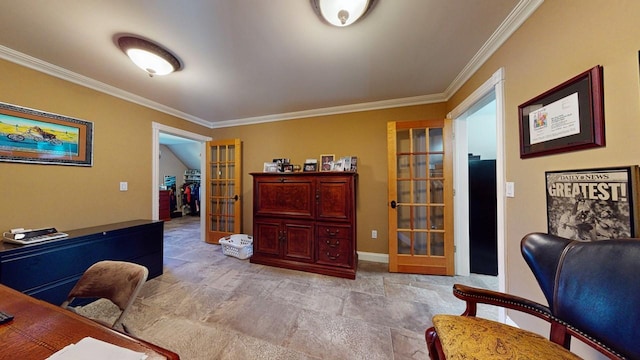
487,99
166,134
481,146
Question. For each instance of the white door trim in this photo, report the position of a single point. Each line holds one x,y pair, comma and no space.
156,128
496,84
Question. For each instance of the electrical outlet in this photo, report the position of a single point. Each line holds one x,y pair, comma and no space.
124,186
374,234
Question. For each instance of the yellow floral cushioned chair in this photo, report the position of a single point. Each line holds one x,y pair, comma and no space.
593,292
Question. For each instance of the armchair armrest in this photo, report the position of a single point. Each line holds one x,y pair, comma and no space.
473,296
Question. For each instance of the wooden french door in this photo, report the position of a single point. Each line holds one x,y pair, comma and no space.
224,181
420,178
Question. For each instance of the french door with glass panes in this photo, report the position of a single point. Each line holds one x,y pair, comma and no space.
420,197
224,181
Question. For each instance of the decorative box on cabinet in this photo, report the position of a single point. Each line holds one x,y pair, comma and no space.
306,221
48,270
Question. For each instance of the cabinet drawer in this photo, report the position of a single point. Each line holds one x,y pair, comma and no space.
334,245
334,231
334,252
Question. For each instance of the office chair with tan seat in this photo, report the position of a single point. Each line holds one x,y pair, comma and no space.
593,293
117,281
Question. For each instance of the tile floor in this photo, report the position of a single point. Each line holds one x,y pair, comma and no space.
210,306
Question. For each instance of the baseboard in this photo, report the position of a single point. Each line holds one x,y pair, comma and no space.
373,257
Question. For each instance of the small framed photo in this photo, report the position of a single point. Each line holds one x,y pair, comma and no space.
346,163
326,162
270,167
287,167
354,163
341,165
310,167
281,162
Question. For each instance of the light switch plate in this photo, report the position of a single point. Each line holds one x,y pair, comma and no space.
124,186
510,189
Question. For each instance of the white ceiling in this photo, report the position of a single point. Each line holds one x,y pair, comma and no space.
249,61
186,150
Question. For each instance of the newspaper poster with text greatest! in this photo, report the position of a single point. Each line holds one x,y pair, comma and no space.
592,204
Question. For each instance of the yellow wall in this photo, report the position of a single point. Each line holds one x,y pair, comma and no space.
71,197
363,134
560,40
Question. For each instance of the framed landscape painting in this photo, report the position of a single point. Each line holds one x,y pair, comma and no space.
34,136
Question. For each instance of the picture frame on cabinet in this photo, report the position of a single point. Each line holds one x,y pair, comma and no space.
270,167
354,163
338,165
310,167
281,162
39,137
326,162
346,163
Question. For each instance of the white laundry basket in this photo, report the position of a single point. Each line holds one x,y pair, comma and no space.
237,245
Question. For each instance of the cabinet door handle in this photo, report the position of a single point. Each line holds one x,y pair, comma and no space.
332,257
236,198
332,233
333,245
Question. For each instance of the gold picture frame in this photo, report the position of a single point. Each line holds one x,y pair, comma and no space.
34,136
326,162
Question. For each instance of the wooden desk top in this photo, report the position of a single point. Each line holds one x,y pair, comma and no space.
39,329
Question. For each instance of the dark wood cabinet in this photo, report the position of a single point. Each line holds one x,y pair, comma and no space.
306,221
48,270
164,207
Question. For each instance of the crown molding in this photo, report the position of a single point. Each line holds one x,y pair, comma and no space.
516,18
344,109
64,74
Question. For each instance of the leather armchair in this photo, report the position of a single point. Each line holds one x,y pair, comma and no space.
593,292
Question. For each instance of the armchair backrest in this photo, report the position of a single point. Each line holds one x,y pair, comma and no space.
592,286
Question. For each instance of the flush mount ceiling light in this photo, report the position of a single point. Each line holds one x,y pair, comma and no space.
148,56
341,12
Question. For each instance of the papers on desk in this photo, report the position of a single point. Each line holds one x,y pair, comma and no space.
94,349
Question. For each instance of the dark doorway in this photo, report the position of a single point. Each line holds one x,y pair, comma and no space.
483,239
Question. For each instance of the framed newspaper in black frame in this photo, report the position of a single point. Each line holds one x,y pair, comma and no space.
568,117
592,204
